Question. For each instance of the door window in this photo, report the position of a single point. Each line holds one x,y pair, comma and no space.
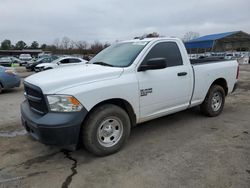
64,61
74,60
168,50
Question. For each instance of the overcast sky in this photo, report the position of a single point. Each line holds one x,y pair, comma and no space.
110,20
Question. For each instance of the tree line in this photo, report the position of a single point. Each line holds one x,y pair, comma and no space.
60,46
68,46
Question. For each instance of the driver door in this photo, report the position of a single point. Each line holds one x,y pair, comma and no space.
166,90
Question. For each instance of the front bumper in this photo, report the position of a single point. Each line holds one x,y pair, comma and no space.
38,69
53,128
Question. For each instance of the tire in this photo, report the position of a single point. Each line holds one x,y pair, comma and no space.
101,125
214,102
1,88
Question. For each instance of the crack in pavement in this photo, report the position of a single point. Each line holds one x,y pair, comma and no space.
68,180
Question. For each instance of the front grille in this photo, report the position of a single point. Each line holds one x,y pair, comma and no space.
35,98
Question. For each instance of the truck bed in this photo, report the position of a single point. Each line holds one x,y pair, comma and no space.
205,73
206,60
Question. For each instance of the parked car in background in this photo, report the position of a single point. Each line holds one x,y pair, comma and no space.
8,78
230,56
15,60
24,59
32,64
244,59
5,61
41,55
61,62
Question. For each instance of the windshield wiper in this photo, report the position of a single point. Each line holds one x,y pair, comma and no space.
102,63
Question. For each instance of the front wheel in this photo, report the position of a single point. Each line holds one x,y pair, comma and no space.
214,101
106,130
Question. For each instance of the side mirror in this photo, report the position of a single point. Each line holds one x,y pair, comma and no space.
153,64
58,63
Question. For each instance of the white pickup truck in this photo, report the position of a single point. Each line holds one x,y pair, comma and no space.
126,84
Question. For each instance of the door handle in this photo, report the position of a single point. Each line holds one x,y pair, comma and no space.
182,74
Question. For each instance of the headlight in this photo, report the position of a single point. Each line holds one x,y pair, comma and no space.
64,103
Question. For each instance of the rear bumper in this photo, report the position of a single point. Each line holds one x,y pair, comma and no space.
60,129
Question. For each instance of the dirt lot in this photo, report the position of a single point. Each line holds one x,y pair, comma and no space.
181,150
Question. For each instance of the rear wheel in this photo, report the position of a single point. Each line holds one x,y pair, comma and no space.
214,101
106,130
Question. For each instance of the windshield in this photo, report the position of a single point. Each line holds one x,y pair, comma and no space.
119,54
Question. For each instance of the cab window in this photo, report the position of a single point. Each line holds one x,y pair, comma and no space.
168,50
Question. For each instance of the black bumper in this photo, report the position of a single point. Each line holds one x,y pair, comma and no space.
62,129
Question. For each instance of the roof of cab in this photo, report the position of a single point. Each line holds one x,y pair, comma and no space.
150,39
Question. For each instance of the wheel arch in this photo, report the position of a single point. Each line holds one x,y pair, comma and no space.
221,82
124,104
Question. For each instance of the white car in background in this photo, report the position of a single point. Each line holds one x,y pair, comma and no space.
231,56
61,62
24,59
5,61
244,59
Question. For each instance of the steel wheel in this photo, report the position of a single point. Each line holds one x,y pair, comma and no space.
106,129
110,131
216,101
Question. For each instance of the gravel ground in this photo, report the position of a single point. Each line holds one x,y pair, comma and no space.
185,149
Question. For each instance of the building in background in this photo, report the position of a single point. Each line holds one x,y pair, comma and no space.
222,42
16,53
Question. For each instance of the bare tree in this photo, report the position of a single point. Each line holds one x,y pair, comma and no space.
57,43
106,44
81,45
65,43
96,47
72,44
190,36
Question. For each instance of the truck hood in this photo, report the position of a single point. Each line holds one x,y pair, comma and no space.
55,80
